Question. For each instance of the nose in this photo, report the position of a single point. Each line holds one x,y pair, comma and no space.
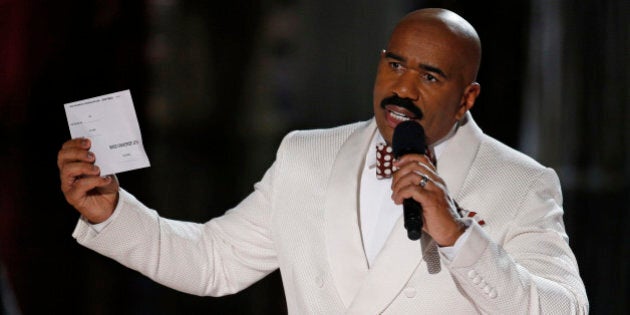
406,86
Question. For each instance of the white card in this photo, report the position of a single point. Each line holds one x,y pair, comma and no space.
110,122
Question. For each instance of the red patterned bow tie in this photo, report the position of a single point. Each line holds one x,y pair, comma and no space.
385,158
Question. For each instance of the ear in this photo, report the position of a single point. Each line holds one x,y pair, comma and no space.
468,99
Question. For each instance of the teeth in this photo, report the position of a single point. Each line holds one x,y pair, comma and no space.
399,116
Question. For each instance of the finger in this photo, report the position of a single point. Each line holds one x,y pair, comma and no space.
424,179
433,181
82,186
414,159
410,191
72,172
411,158
412,187
87,183
408,158
430,171
412,178
73,145
74,154
84,143
417,166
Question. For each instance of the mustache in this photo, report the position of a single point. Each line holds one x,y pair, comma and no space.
404,103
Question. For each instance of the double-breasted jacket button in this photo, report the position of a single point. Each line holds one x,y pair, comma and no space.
493,293
410,292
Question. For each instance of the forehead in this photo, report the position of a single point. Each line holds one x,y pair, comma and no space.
422,43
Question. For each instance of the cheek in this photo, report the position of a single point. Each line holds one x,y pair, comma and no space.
380,91
438,120
443,104
383,79
379,84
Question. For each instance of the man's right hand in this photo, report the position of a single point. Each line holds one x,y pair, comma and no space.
95,197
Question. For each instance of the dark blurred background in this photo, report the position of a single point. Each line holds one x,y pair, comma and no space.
239,75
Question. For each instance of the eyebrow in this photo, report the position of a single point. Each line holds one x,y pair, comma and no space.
426,67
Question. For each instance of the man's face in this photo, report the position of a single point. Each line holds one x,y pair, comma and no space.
420,76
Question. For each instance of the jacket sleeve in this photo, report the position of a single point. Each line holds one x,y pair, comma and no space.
220,257
532,270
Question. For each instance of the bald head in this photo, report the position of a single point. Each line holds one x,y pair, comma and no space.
427,73
453,30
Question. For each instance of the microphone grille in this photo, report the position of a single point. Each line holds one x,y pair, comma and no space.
408,138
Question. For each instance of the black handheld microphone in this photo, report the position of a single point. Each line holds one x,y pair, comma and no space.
409,138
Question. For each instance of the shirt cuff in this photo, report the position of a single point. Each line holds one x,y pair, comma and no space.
450,252
101,226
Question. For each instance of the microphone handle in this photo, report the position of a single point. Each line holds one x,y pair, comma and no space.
412,213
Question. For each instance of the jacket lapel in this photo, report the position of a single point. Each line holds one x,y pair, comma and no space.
456,160
343,236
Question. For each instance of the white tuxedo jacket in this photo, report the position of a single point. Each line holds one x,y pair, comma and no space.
302,217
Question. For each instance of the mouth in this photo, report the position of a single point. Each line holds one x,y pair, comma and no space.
397,114
397,110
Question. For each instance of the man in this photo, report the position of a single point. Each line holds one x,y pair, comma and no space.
493,236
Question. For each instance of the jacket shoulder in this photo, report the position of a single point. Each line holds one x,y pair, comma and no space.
314,149
506,174
494,152
328,139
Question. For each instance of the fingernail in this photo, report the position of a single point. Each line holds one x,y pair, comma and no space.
90,155
85,143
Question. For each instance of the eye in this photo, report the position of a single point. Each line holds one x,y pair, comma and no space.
395,65
429,77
